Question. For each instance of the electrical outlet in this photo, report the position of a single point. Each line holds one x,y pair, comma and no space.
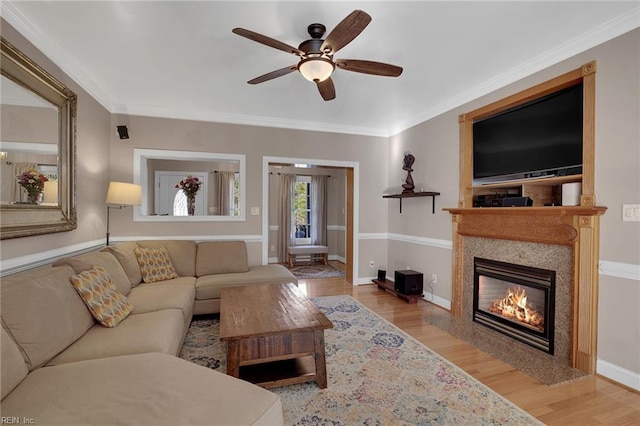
434,278
371,264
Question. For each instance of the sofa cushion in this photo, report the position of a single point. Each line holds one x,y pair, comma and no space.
108,261
43,312
221,257
149,298
209,286
182,252
144,389
98,291
155,264
14,369
127,258
160,331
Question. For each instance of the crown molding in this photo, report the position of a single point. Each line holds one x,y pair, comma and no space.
607,31
598,35
248,120
54,52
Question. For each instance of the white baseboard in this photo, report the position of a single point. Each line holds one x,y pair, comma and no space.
618,374
437,300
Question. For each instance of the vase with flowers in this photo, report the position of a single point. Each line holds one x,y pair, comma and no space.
33,183
190,186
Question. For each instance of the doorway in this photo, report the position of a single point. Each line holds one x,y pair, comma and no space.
351,206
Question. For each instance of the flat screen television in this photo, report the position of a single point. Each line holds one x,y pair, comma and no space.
539,138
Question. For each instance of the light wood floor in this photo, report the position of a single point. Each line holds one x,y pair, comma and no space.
588,401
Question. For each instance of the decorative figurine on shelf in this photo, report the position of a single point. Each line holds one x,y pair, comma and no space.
409,159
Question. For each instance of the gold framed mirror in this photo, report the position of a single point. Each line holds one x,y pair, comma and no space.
37,141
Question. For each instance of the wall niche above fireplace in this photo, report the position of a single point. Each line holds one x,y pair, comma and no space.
542,186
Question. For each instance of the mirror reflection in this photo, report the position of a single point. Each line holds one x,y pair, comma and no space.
28,147
185,185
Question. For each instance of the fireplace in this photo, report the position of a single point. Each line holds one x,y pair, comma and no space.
516,300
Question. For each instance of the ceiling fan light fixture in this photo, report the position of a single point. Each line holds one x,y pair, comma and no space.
316,69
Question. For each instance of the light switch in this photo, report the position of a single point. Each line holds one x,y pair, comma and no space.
631,212
255,211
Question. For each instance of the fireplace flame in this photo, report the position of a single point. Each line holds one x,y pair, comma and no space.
514,306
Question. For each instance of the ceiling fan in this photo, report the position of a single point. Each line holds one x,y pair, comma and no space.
316,54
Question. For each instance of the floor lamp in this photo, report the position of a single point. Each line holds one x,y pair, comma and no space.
122,194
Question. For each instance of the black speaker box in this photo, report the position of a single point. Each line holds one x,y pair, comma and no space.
408,282
123,132
517,202
382,275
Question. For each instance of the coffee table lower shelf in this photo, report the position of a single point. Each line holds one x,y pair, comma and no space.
280,373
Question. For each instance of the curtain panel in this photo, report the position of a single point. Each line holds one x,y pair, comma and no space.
224,191
286,235
319,210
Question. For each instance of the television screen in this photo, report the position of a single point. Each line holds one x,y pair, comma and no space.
542,137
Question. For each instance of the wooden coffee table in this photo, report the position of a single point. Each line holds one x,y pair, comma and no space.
274,335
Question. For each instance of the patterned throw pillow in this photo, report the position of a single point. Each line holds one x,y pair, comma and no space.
101,295
155,264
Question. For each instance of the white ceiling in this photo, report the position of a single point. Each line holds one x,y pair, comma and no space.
180,59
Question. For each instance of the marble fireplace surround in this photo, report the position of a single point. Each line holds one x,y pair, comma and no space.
563,239
546,256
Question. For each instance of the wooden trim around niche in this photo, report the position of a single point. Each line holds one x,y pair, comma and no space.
584,74
575,226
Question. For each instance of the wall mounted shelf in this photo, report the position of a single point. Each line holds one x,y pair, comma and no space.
415,194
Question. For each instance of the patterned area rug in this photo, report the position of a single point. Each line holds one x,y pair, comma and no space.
378,375
306,272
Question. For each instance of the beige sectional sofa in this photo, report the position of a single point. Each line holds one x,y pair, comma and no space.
60,366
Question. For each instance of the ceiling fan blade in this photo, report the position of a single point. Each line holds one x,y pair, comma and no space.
327,89
348,29
273,74
268,41
369,67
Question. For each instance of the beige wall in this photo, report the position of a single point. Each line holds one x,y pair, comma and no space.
370,153
434,143
28,124
92,172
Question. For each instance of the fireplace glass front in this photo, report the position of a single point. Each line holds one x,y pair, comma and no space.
515,300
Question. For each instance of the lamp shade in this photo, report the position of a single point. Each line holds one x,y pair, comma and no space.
316,69
50,192
128,194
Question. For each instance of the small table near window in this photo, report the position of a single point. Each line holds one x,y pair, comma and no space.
310,252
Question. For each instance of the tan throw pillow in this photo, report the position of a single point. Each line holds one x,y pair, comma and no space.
98,291
155,264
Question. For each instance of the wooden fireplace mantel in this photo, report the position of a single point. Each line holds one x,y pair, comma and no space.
575,226
550,225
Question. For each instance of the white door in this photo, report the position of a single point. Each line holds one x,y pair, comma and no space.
167,200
